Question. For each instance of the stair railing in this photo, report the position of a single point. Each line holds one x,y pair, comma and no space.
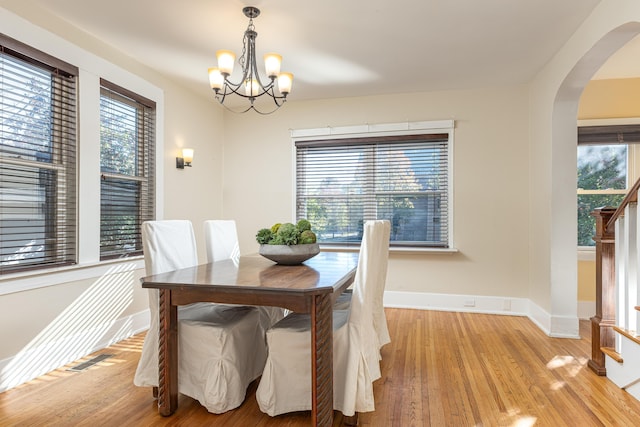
616,229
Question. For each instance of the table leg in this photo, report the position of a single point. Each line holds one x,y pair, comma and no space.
322,361
167,355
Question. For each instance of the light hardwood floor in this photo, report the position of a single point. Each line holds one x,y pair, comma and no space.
441,369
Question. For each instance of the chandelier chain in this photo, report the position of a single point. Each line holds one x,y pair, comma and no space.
245,41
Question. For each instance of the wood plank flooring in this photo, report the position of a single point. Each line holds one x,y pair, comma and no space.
441,369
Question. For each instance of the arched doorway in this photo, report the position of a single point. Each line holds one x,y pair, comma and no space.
563,256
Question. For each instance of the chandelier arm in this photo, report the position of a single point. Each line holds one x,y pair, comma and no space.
242,62
251,70
264,113
234,88
265,88
252,107
220,96
253,65
230,87
276,98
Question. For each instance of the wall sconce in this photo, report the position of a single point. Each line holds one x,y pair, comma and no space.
186,159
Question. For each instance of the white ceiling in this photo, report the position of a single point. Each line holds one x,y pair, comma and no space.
341,48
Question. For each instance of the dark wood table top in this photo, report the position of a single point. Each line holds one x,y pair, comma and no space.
256,280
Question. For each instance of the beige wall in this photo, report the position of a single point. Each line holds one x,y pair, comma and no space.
194,193
490,181
54,322
587,281
610,99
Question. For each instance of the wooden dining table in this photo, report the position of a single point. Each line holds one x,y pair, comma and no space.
311,287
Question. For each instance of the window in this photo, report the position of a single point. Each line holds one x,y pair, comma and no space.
341,183
127,153
37,159
606,159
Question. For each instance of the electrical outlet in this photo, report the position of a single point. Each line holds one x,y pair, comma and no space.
470,303
506,305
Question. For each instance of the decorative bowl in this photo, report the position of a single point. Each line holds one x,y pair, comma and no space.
289,254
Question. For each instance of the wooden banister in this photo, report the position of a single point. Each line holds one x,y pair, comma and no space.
602,333
629,334
612,353
631,197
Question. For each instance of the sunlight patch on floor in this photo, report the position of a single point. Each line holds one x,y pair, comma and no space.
570,364
514,418
76,331
526,421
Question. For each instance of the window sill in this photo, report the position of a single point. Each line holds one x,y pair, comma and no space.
20,282
402,250
586,253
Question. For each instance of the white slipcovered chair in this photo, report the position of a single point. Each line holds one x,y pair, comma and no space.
379,320
221,239
221,242
285,385
221,348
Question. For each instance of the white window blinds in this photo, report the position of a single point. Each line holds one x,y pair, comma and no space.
342,183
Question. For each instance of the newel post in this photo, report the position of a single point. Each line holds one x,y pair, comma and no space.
602,323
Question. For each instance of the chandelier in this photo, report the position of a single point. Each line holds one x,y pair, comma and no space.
251,86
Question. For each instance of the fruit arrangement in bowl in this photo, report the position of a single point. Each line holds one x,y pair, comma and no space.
288,243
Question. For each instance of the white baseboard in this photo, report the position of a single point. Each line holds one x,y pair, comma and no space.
463,303
565,327
554,326
34,361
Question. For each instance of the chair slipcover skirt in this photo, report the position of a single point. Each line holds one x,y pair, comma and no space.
219,354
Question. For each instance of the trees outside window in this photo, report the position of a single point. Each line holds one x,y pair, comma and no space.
602,181
127,153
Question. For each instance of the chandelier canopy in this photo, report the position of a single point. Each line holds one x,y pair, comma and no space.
251,86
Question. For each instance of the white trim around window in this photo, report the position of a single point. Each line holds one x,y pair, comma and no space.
389,129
